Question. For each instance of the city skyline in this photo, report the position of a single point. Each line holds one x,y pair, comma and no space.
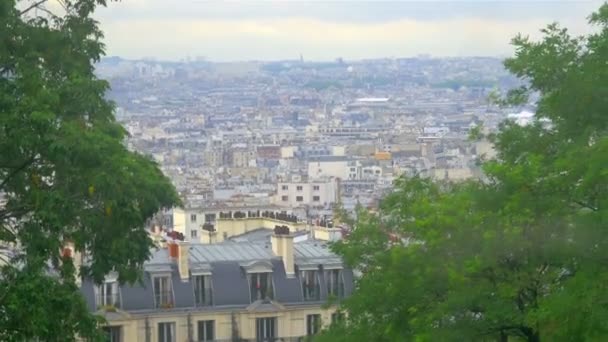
236,31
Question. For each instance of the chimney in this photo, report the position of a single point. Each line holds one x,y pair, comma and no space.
173,249
69,251
183,262
282,245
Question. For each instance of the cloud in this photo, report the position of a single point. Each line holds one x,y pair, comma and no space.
323,31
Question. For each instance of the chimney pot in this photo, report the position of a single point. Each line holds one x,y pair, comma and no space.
173,250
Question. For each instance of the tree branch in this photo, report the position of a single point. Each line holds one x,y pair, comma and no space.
16,171
32,6
585,205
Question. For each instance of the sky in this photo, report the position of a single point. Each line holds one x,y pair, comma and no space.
325,30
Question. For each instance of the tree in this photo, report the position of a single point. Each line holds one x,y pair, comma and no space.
66,176
518,256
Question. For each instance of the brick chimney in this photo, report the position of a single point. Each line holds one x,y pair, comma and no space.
183,263
282,245
69,251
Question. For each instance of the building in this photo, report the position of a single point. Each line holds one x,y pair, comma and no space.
263,288
330,166
190,221
316,192
242,157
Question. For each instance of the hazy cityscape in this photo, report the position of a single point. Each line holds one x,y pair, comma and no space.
242,134
303,171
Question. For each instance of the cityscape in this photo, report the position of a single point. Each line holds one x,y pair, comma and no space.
307,135
253,146
301,171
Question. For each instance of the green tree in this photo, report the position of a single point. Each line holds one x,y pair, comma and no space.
65,173
519,256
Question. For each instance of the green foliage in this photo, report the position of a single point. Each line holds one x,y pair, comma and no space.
519,256
65,173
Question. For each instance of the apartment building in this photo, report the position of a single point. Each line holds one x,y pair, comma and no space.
190,221
316,192
268,288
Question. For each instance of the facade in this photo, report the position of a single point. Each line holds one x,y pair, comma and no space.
190,221
307,193
268,288
242,157
322,167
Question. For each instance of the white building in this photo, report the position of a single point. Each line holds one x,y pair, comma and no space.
334,166
314,193
190,221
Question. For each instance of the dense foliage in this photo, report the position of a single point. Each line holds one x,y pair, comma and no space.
519,256
66,175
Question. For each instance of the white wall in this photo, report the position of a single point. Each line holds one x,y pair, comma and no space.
338,150
326,192
319,169
287,151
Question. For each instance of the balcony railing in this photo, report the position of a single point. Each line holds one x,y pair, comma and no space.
163,300
203,297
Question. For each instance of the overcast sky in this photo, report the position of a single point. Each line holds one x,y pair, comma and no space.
324,30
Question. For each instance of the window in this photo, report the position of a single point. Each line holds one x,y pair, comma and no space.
299,198
166,332
163,296
352,169
202,290
299,188
316,198
113,333
284,187
205,331
337,317
193,233
209,217
310,285
107,294
265,329
315,187
313,324
284,198
260,286
192,217
335,283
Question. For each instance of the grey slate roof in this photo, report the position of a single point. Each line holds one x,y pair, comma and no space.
230,286
229,252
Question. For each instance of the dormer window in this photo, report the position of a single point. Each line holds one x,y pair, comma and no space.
335,283
107,294
261,286
163,292
310,285
202,290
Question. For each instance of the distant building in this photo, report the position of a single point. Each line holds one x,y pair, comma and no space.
307,193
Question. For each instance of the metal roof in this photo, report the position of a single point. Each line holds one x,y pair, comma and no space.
229,251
